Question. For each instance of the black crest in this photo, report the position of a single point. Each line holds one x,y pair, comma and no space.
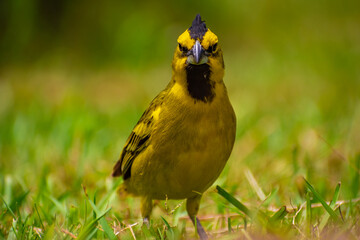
198,28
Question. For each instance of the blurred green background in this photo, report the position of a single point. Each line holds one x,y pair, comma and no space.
75,76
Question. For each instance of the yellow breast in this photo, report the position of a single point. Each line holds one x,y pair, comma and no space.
188,151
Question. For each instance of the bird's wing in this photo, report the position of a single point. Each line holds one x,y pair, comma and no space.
139,138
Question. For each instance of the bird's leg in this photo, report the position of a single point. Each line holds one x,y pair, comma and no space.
192,207
199,228
146,208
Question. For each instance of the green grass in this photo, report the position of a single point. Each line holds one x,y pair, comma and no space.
73,84
58,148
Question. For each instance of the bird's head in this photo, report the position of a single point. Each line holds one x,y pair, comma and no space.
198,47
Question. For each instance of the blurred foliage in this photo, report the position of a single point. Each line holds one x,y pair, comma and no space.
75,76
139,32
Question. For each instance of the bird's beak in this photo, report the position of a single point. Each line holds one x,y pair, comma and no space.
196,55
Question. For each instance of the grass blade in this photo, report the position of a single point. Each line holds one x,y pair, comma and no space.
8,208
274,222
50,232
356,178
110,193
336,195
321,200
166,223
107,229
332,205
146,231
270,197
41,222
233,201
161,236
168,228
229,225
90,229
57,203
308,213
254,184
17,201
279,215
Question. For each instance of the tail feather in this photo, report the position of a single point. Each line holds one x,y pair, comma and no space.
117,170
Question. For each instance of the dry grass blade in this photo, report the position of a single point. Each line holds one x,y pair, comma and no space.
254,184
68,233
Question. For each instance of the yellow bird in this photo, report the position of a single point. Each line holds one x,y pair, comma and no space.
183,140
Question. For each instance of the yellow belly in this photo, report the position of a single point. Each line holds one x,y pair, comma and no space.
186,155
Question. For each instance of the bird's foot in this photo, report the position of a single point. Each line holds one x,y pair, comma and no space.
146,222
200,230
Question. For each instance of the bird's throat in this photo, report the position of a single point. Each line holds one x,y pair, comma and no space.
199,85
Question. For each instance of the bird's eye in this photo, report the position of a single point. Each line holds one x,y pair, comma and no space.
182,48
212,48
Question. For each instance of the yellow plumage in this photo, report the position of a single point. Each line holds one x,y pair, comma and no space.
182,141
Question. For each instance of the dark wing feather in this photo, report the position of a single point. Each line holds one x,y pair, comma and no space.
138,140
